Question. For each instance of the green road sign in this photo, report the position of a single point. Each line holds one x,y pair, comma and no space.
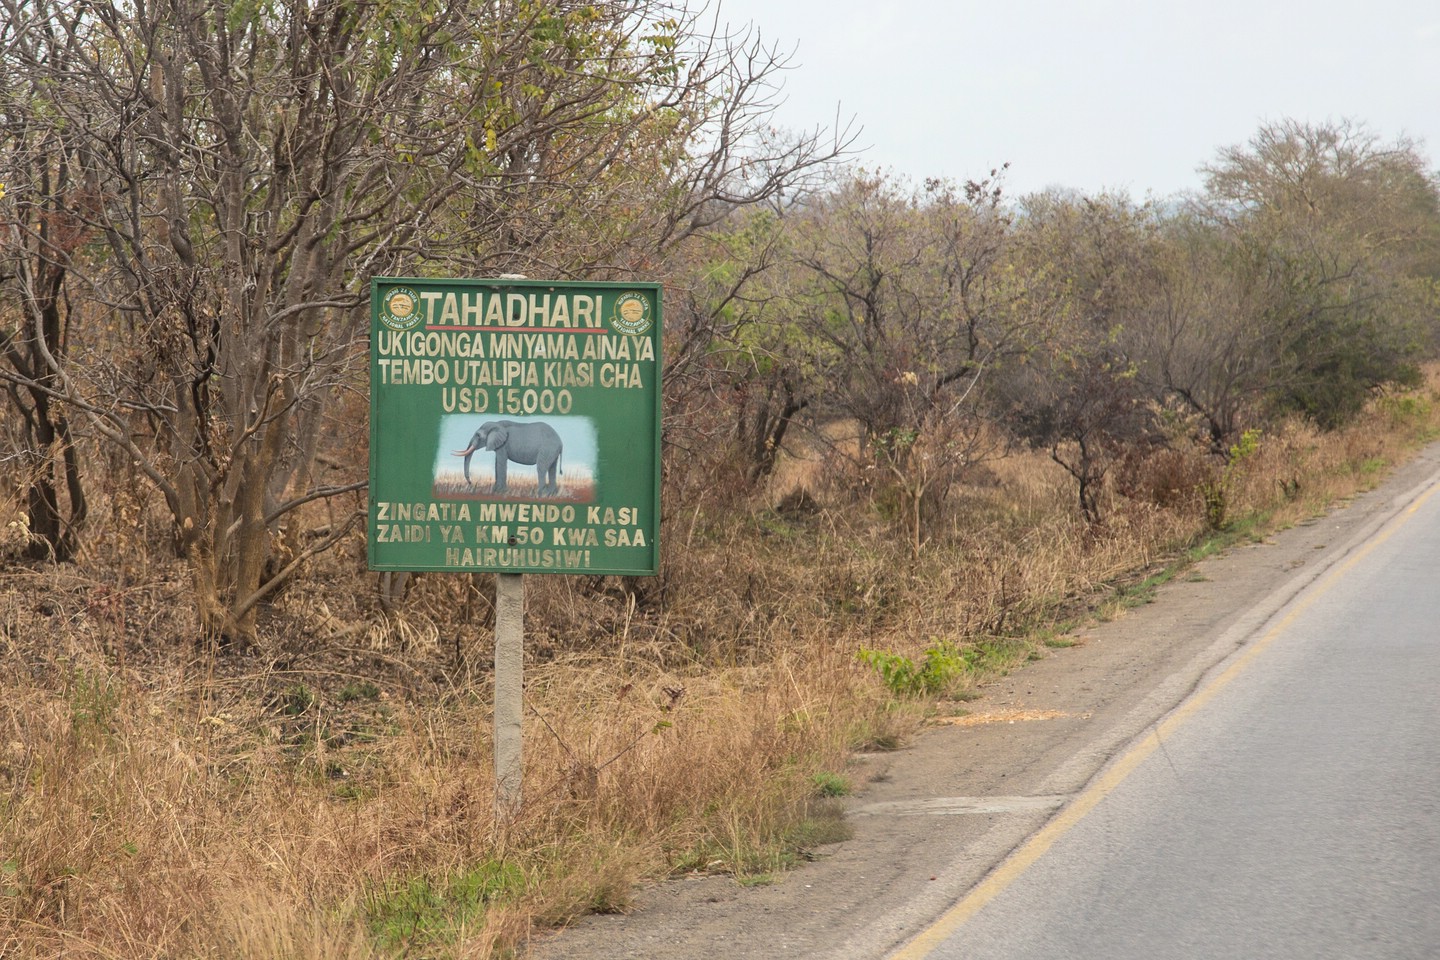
514,426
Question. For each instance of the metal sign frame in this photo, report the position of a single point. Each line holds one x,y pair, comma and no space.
514,426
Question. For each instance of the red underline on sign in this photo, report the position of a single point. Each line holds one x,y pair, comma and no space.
462,329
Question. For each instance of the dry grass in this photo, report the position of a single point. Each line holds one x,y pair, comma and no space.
188,818
332,798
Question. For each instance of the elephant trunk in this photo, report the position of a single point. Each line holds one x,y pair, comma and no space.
467,453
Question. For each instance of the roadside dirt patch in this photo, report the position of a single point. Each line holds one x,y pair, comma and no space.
999,716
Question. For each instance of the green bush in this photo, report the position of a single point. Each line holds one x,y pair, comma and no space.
942,667
423,911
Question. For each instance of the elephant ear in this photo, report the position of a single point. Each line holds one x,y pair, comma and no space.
497,438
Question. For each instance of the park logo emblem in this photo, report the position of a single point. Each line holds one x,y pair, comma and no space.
632,314
400,308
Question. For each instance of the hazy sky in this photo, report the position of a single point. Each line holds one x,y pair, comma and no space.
1092,94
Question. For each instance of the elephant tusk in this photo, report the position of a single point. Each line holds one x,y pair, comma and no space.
463,453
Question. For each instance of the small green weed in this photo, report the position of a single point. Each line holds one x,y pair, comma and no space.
943,667
424,911
294,700
756,879
826,824
94,701
829,784
1406,409
1218,491
359,690
10,878
771,524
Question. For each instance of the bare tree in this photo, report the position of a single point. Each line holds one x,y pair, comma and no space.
43,229
252,166
1080,396
902,304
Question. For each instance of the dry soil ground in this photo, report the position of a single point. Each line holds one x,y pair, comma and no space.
932,819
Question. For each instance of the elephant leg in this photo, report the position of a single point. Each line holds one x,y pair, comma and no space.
500,464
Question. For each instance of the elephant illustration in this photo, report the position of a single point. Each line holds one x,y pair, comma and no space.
527,443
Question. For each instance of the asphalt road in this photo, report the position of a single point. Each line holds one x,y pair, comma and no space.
1067,754
1290,808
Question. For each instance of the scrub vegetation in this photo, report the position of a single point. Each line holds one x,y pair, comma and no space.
911,432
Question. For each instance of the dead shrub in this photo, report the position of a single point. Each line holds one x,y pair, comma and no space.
1168,476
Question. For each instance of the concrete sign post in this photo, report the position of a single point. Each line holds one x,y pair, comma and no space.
509,690
514,428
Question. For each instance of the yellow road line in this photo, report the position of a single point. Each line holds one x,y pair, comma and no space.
1033,849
